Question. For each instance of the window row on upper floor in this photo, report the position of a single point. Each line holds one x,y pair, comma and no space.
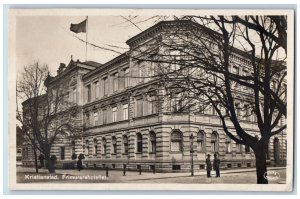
118,81
140,106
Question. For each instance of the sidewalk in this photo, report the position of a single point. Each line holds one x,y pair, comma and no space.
133,176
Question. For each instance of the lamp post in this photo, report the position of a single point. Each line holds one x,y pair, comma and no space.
192,154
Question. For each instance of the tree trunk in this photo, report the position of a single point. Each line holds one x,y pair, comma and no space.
261,163
35,160
49,163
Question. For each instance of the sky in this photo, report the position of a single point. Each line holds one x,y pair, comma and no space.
48,39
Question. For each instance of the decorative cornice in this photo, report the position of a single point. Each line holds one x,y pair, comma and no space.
118,60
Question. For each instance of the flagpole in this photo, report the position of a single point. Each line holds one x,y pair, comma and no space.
86,37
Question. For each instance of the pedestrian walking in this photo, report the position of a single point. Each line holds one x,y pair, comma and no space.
216,165
208,166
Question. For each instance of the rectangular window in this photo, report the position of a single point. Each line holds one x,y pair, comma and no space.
126,76
125,144
200,145
74,95
105,85
62,152
115,82
247,149
238,148
95,150
175,146
139,110
175,56
139,144
87,120
177,105
235,70
125,111
114,147
96,118
141,73
104,116
213,146
152,105
88,87
104,149
114,114
97,90
238,110
228,146
87,148
152,146
152,70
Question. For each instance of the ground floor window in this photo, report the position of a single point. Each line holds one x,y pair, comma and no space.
200,141
87,147
176,141
228,144
125,144
62,152
114,145
95,148
104,147
176,167
214,142
152,142
247,149
139,143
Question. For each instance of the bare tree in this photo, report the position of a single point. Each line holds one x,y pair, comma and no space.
47,113
205,61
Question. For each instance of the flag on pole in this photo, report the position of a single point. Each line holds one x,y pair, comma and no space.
77,28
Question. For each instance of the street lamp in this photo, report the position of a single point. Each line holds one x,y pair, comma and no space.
192,154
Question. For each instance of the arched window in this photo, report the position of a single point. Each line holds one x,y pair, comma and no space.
125,144
228,144
214,141
95,147
176,141
104,146
114,145
200,141
152,136
87,148
139,143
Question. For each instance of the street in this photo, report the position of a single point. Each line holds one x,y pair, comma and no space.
234,176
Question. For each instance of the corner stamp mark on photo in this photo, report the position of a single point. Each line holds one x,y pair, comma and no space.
272,175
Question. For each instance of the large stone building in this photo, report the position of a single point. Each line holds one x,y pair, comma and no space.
128,120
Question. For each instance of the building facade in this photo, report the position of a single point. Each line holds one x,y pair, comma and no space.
130,122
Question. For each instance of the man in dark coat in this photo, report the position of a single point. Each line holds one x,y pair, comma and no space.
216,165
79,164
208,165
